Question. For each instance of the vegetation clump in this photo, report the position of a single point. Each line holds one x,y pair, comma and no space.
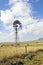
32,58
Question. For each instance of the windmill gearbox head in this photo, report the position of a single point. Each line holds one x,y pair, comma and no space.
17,25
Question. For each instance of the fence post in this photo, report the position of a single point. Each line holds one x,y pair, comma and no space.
25,49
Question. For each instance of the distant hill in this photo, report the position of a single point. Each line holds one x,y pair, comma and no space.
40,39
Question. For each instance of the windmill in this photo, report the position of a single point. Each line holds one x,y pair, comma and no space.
17,26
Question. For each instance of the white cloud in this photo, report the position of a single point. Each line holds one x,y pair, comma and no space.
36,28
6,16
5,37
14,1
21,9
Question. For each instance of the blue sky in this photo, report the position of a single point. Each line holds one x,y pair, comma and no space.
38,7
28,12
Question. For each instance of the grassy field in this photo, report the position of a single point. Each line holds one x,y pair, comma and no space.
29,53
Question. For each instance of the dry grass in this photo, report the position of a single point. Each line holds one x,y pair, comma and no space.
9,51
12,50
